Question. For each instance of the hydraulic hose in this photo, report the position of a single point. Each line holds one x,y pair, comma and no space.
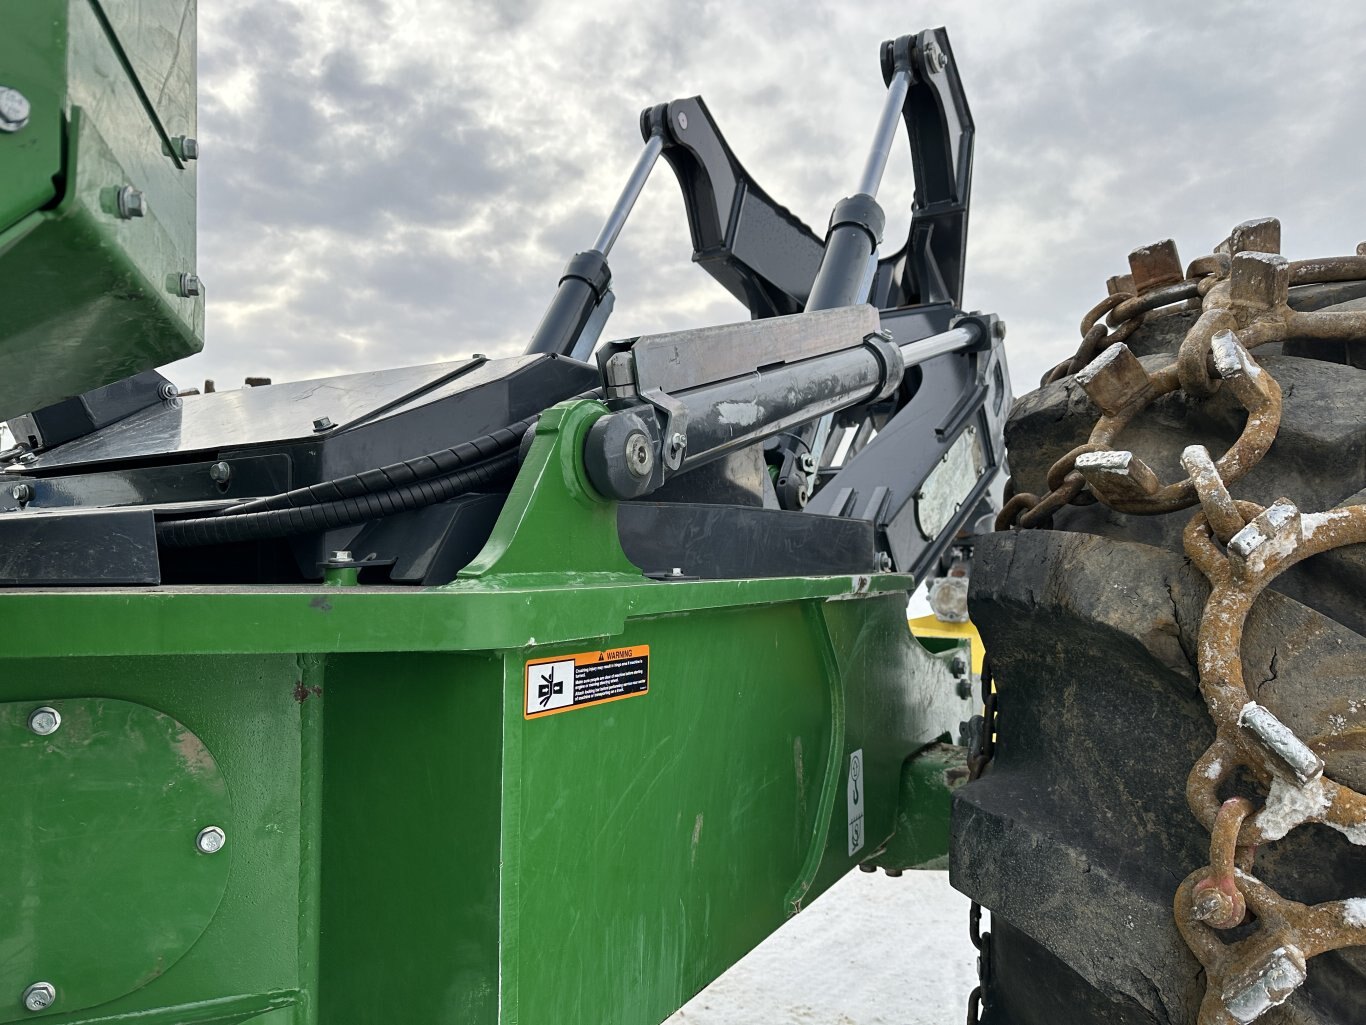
346,512
404,472
395,475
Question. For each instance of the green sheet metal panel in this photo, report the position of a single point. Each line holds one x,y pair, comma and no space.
412,845
103,816
89,296
252,956
33,62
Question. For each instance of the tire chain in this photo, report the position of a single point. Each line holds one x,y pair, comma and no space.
1241,292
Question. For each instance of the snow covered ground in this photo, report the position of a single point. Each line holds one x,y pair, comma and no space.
871,951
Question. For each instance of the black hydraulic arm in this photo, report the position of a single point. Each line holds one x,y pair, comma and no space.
758,250
929,266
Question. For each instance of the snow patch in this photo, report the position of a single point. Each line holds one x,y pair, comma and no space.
1354,912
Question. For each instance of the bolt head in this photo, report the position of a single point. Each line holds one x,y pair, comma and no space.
131,202
190,286
341,556
679,441
220,472
22,493
44,721
40,996
640,458
682,121
935,58
14,109
189,148
210,840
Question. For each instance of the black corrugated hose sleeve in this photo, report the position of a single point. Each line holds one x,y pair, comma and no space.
407,471
386,478
345,512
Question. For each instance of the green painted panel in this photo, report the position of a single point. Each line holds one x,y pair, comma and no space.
91,297
410,852
407,845
99,850
33,61
654,840
158,38
255,952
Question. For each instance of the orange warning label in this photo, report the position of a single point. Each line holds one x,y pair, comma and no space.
567,682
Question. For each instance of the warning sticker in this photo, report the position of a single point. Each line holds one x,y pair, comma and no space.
855,795
589,678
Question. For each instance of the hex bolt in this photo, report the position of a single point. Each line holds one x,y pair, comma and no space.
188,286
40,996
935,58
189,148
14,109
640,460
679,442
220,472
22,493
44,721
340,556
131,202
323,423
168,391
210,840
682,121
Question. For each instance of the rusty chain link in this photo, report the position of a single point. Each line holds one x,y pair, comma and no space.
1241,292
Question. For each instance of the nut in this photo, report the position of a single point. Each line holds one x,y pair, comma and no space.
188,286
220,472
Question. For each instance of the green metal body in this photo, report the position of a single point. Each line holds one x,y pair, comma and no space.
404,844
88,296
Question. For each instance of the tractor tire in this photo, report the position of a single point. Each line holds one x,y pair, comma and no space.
1078,833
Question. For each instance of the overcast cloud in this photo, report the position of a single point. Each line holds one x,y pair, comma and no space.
390,182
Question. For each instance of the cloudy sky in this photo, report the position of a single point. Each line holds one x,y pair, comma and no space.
390,182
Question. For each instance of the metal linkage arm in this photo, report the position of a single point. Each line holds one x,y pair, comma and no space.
929,267
758,250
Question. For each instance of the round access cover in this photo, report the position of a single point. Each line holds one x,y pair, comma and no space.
104,887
